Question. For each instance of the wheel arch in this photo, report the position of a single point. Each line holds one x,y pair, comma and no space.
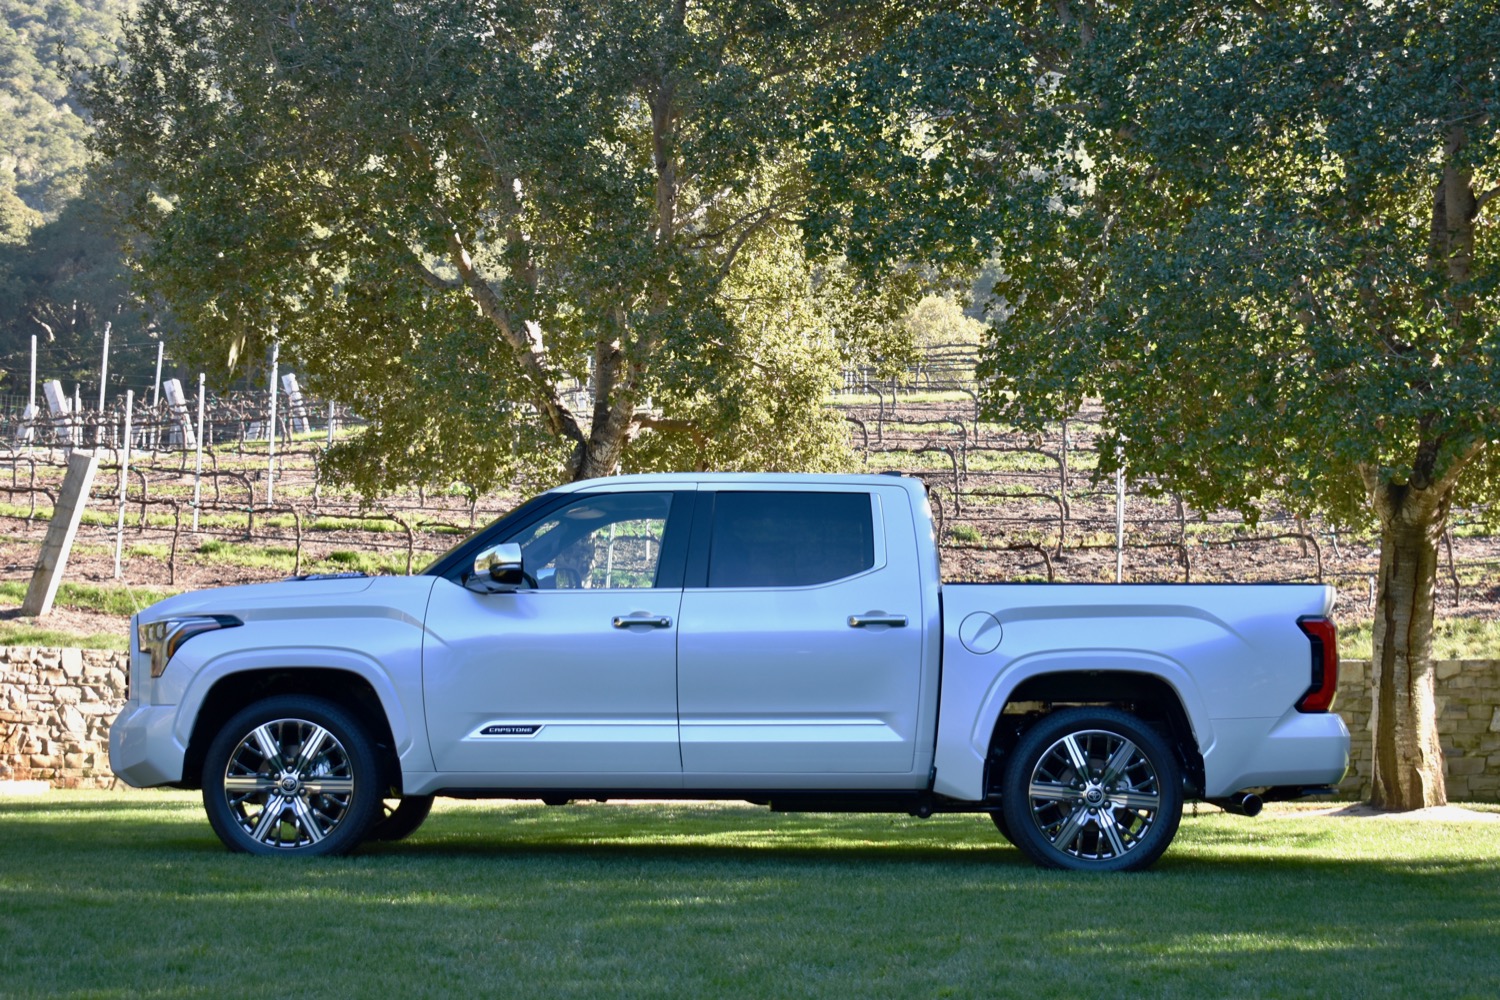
233,691
1146,695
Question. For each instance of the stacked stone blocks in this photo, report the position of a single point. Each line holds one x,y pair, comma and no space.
56,706
55,709
1468,711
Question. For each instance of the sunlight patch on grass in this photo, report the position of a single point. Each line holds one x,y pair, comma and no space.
729,900
16,634
283,560
105,599
1452,639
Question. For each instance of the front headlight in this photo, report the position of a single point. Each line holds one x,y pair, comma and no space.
161,638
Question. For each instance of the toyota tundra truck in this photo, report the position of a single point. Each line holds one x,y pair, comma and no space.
781,639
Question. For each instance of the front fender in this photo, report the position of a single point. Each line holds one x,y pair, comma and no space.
398,690
988,682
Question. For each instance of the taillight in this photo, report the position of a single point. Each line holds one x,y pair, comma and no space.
1325,664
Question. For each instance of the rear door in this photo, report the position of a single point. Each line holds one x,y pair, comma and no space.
577,672
799,651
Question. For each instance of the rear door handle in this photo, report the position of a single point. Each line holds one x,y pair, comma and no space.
877,618
655,621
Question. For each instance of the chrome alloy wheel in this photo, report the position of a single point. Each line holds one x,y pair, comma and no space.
289,783
1094,795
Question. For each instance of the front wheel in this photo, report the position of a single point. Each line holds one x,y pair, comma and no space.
998,816
1092,789
400,818
292,775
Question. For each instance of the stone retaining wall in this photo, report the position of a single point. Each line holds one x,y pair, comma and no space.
55,710
1468,707
56,706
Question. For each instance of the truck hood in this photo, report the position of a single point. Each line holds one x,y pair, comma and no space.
275,600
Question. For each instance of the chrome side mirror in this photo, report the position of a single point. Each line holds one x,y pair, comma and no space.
498,568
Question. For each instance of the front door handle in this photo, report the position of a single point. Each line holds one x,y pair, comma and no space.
655,621
877,618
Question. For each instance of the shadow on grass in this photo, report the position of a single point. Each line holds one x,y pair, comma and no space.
694,901
747,837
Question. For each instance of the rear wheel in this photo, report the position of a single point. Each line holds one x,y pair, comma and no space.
1000,824
292,774
1092,789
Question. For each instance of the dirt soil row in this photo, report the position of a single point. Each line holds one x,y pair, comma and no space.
999,521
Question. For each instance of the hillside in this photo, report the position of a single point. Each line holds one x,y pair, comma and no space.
42,153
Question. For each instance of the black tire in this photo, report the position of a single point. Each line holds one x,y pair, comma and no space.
1002,825
321,801
400,818
1118,811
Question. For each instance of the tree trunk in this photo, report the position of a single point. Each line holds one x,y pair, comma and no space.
596,457
1408,760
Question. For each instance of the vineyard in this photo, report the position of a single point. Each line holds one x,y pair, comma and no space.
1009,506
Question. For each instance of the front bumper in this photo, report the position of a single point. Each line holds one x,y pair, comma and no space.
143,751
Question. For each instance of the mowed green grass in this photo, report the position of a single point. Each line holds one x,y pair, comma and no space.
129,894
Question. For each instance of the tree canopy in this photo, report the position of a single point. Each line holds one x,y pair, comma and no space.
1262,234
513,237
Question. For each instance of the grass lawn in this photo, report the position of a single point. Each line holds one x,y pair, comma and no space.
12,634
1452,638
128,894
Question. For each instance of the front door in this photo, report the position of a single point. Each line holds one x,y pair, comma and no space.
576,672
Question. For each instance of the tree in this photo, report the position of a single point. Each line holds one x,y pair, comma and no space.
1262,234
61,282
509,235
17,219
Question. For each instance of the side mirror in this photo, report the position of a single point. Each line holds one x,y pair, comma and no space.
498,568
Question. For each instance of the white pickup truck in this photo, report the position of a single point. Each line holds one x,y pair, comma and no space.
781,639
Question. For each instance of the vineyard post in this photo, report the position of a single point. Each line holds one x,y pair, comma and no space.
176,534
124,481
156,393
271,428
104,367
103,381
198,459
60,408
31,410
1063,477
1120,524
296,407
161,347
297,526
67,511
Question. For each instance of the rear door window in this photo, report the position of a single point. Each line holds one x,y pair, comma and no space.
790,539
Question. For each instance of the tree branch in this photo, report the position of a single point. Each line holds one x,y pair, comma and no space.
645,420
431,279
527,349
767,216
1445,483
